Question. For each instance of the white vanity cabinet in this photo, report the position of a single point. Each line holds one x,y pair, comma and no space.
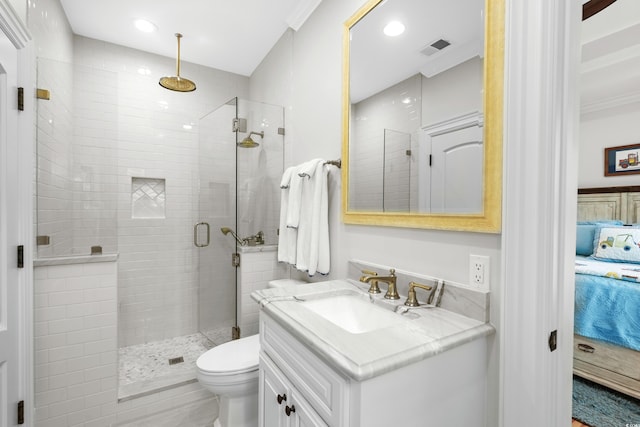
288,368
447,389
282,405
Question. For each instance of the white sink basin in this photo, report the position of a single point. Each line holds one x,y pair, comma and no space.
353,313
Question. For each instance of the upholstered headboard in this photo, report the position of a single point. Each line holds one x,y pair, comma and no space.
622,203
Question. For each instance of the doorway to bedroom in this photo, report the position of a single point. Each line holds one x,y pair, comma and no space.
606,351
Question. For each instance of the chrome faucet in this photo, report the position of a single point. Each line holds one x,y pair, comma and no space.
390,280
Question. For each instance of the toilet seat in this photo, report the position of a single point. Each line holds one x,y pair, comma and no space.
234,357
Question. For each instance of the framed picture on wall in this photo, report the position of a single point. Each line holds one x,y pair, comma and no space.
622,160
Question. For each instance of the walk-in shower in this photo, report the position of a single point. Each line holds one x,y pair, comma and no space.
124,174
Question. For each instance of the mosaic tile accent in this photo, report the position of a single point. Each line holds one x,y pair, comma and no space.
147,198
145,368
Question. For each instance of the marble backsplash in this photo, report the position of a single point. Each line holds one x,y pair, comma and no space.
458,298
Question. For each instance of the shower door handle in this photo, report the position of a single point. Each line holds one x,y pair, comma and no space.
195,235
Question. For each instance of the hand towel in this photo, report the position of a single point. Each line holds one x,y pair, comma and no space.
312,235
284,238
324,251
298,177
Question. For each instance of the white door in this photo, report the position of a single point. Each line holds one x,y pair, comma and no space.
9,303
456,171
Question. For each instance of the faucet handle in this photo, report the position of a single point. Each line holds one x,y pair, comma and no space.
373,284
412,301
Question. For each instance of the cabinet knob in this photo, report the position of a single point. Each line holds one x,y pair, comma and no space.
289,409
282,398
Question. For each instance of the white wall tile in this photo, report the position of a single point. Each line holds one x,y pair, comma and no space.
68,357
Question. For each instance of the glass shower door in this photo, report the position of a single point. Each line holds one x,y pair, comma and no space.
241,162
217,209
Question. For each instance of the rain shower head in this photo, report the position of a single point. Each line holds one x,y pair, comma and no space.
250,143
177,83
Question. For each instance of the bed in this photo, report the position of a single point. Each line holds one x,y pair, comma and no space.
607,303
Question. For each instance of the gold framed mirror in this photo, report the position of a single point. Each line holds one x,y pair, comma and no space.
422,115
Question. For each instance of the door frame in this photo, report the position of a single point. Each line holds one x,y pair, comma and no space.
16,31
541,125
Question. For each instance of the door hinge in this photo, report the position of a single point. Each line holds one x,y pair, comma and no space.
43,240
430,159
43,94
21,412
553,340
20,99
21,256
238,124
235,259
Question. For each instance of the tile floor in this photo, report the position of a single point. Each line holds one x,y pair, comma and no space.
145,368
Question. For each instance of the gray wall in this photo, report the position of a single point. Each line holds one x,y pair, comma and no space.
303,72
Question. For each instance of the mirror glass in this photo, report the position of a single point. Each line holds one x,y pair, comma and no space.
422,106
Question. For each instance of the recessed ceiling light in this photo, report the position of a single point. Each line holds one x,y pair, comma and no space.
145,26
394,28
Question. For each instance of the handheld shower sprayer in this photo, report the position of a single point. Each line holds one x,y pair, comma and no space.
257,239
227,230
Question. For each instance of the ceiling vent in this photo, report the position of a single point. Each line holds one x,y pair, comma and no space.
434,47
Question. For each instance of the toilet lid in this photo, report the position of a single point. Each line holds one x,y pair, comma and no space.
235,356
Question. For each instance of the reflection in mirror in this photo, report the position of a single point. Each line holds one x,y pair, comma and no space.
396,196
415,115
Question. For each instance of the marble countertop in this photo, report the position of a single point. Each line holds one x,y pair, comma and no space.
424,332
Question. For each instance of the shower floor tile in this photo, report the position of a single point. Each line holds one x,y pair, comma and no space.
145,368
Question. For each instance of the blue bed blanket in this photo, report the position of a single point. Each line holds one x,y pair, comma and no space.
607,303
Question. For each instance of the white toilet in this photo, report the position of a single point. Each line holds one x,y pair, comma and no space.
230,370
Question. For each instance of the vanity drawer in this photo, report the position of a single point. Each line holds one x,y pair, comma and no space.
325,390
617,359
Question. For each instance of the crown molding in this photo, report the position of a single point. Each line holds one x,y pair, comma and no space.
611,102
301,13
12,25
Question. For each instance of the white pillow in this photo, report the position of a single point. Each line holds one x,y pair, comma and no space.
618,244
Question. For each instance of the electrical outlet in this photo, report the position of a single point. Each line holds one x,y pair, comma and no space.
479,270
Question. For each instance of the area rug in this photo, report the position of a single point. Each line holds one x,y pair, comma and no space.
599,406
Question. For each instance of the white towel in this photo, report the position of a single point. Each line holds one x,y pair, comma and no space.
284,238
304,218
301,173
311,215
324,251
319,238
307,196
